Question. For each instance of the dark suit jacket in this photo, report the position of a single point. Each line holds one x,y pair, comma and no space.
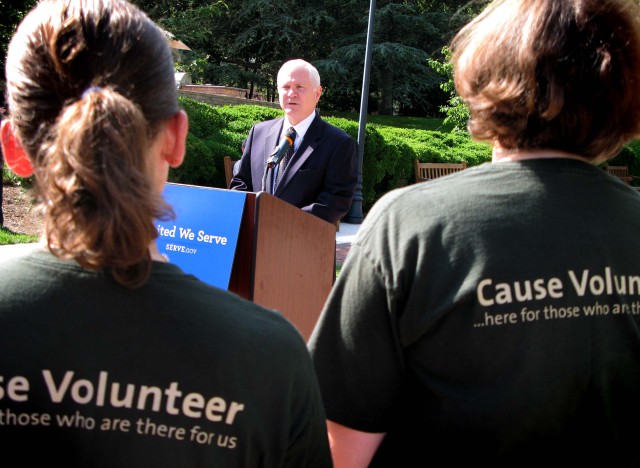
320,178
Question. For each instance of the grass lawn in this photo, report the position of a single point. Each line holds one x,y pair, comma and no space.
8,237
415,123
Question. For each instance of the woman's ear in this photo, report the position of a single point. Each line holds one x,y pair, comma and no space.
15,156
175,139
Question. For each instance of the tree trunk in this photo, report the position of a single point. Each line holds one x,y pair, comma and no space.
386,99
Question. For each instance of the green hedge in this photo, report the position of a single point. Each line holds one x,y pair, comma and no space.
389,152
215,132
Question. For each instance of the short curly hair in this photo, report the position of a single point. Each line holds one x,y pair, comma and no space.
552,74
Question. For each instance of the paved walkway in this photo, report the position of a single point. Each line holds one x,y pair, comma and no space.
14,250
344,237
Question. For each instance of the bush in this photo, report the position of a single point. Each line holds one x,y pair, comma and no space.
389,152
208,142
390,161
388,155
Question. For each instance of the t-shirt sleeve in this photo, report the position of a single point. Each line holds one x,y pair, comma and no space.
354,348
308,440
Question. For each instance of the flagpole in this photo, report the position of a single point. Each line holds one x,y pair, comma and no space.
355,215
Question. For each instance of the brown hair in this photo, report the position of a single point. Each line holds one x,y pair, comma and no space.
555,74
88,85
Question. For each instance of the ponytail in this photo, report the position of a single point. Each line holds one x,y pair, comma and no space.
100,202
89,84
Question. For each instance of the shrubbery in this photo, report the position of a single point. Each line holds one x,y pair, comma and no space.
389,152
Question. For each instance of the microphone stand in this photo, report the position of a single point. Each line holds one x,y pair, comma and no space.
268,169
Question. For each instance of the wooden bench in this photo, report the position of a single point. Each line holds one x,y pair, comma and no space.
430,171
621,172
228,169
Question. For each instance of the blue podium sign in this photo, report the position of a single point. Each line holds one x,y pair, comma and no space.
202,239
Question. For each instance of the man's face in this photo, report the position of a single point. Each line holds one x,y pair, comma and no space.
298,97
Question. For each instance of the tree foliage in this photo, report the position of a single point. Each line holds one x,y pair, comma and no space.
456,111
242,43
12,14
405,35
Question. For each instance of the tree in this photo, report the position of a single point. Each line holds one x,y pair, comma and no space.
246,41
12,14
406,35
243,43
456,111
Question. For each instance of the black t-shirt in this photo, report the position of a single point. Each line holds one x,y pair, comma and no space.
492,315
174,374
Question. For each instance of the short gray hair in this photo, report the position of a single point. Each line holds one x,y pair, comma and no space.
314,76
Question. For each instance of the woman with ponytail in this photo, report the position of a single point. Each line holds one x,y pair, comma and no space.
108,355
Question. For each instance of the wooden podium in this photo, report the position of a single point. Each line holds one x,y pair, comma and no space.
285,260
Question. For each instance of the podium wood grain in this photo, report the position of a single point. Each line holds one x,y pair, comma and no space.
285,260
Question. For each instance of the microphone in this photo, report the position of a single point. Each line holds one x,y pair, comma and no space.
281,150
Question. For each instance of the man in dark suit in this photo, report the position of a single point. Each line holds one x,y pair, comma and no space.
321,175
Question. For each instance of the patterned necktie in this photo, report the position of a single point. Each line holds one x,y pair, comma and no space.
287,157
